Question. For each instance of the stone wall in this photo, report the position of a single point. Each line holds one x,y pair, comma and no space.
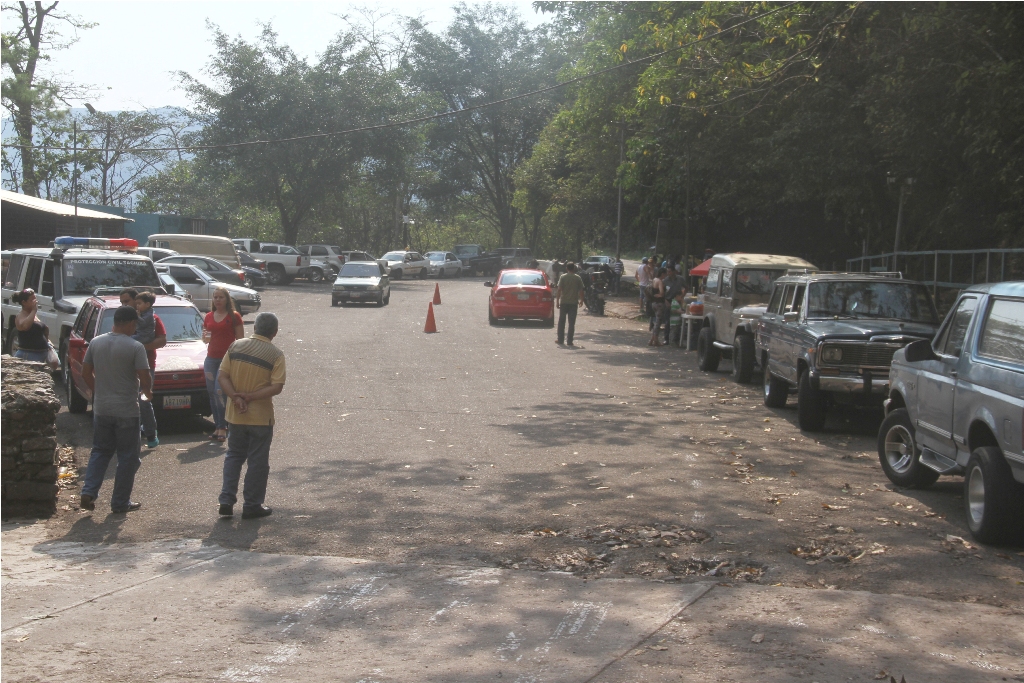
28,436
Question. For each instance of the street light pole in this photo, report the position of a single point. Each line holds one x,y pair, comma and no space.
904,191
622,158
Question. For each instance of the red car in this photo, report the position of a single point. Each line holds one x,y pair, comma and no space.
179,382
521,293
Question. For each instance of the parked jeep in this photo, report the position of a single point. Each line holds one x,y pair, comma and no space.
832,337
735,295
956,406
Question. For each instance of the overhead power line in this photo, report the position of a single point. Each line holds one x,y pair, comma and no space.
429,117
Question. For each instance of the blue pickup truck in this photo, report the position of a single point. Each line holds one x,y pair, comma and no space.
956,406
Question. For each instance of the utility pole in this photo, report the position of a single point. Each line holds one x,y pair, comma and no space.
622,158
686,235
74,173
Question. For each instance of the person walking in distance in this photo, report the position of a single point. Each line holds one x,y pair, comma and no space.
658,315
221,327
116,370
568,299
617,268
252,372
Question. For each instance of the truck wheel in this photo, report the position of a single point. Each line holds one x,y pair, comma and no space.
743,358
993,501
276,274
776,390
811,409
708,356
897,451
76,402
316,275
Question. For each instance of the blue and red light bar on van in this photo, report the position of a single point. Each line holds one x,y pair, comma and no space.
114,244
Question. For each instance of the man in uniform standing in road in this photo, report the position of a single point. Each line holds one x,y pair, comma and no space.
251,374
568,299
115,369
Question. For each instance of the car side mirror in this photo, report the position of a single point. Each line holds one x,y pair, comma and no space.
488,284
919,351
791,316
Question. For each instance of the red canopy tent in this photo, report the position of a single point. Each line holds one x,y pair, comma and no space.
701,270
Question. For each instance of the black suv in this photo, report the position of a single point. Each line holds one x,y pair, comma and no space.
833,336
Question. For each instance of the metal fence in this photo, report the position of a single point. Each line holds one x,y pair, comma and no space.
948,270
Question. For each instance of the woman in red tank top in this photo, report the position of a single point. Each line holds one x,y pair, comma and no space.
221,328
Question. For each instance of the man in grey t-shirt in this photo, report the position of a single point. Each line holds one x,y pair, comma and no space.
115,368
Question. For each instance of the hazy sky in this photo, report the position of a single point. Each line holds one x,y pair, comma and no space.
131,54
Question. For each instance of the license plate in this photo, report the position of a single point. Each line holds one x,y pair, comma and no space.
177,402
523,297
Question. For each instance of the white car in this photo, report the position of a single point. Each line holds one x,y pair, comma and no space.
404,263
201,286
444,263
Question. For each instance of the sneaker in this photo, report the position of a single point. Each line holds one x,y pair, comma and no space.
87,502
226,510
132,507
152,442
261,511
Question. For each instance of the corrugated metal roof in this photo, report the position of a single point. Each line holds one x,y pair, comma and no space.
57,208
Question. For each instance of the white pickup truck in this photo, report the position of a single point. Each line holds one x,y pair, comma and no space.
284,263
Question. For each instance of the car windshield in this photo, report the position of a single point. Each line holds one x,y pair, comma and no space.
858,299
83,276
394,256
519,278
183,323
360,270
755,281
435,255
465,251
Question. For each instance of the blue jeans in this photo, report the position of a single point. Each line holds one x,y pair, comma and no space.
147,415
211,367
27,354
112,435
247,443
567,311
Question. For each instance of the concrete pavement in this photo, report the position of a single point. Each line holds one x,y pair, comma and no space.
186,610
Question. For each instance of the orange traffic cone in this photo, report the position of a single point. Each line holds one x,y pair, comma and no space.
431,326
437,294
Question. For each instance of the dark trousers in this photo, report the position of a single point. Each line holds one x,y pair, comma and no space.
112,435
247,443
567,311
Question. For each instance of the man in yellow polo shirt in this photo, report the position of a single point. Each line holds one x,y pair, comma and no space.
251,374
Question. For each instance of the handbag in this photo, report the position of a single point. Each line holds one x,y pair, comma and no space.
52,360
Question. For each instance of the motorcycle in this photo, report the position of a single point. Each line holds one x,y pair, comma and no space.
595,290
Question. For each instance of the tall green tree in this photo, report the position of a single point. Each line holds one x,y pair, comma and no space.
34,31
487,54
263,91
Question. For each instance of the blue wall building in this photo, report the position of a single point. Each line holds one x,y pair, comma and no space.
147,224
